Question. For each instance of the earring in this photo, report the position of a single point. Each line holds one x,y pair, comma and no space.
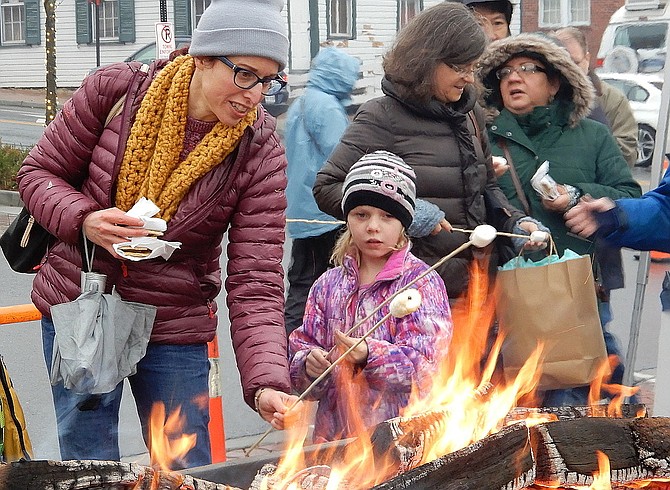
551,99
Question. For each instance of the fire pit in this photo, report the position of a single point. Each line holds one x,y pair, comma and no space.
558,454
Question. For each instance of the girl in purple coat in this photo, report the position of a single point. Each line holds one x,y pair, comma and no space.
376,379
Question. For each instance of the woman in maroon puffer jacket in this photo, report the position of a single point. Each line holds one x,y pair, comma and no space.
193,138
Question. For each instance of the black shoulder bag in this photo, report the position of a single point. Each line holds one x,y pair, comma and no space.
25,243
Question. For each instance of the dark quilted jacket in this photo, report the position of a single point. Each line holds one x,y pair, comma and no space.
77,151
426,138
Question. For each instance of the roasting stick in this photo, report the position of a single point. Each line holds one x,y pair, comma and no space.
480,237
536,236
402,305
481,231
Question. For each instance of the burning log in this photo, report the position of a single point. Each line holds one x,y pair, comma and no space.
637,449
75,475
561,454
628,411
502,460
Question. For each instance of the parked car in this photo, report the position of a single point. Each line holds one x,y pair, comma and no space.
147,53
278,104
275,104
644,94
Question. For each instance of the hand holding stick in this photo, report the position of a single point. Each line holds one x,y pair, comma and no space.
481,236
401,305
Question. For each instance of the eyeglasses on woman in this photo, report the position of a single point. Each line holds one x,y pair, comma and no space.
246,79
463,71
523,70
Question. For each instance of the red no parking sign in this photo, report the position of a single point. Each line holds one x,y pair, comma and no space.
164,40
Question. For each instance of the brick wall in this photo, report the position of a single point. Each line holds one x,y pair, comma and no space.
601,11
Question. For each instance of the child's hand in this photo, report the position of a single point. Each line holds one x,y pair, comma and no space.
316,363
357,356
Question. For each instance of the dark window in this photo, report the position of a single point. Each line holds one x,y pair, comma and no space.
340,17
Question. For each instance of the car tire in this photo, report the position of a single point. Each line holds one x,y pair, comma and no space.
646,138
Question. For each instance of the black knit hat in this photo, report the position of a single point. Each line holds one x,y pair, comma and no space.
383,180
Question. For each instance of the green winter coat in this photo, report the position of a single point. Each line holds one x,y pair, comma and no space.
584,155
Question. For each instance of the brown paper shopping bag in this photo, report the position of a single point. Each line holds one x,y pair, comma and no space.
555,304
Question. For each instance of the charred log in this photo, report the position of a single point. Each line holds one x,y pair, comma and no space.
638,449
502,460
577,412
564,453
109,475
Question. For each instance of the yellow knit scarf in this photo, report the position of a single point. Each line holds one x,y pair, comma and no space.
151,166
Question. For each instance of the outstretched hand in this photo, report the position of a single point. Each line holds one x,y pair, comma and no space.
442,225
581,219
273,406
531,245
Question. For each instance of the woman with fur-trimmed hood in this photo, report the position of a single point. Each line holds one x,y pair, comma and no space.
538,100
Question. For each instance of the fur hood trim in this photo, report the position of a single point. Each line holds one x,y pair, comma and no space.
575,84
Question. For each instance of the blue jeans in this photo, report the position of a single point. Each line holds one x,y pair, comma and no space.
176,375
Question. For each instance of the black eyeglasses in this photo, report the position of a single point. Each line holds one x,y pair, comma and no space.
463,71
523,70
246,79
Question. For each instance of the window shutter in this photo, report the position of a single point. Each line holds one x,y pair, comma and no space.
82,15
32,10
127,21
182,18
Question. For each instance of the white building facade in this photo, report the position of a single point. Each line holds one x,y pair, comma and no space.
114,29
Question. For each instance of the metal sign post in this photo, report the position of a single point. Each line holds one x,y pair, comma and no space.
643,267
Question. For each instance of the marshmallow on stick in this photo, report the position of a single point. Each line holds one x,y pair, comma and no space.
405,303
539,236
483,235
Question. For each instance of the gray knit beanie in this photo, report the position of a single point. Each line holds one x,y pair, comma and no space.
242,28
383,180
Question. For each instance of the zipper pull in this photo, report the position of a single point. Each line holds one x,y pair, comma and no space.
26,233
124,269
210,308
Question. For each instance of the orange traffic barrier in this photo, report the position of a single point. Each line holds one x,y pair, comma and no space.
18,314
28,313
217,437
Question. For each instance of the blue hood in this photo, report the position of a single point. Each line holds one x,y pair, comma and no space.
334,72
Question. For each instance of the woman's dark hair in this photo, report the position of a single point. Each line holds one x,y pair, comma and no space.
446,33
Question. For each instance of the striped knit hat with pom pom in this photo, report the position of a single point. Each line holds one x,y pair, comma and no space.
383,180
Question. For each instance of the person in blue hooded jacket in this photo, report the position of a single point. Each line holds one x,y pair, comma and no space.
641,223
315,123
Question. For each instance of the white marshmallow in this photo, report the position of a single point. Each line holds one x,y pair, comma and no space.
482,235
499,160
405,303
539,236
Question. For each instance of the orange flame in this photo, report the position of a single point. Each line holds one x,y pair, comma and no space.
168,443
466,387
601,478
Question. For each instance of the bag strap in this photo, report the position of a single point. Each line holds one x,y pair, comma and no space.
515,178
116,109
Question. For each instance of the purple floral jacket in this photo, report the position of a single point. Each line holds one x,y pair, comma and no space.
403,352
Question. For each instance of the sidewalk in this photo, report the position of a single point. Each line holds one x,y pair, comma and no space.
31,97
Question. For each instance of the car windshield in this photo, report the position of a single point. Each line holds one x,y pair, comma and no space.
648,40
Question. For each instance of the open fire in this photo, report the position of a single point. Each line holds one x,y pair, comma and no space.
473,431
466,406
